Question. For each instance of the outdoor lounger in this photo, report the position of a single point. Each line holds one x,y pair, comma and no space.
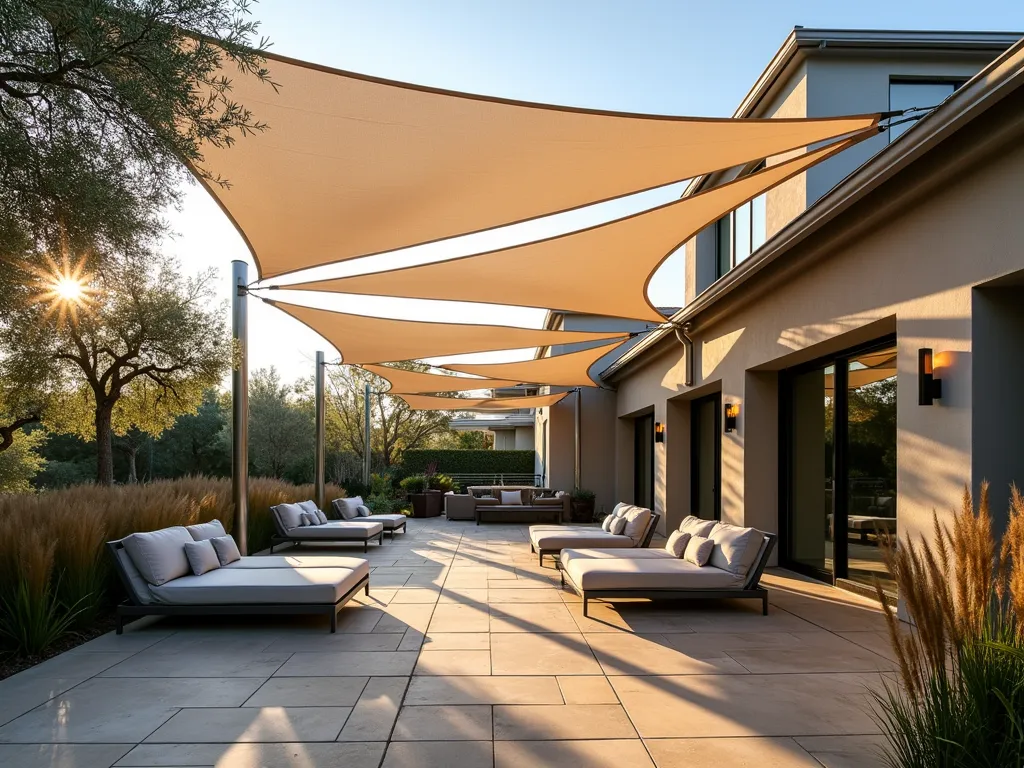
293,524
355,510
552,539
733,570
161,580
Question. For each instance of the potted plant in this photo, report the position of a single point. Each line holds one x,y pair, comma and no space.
582,505
424,502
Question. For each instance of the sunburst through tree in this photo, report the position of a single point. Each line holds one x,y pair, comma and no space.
65,287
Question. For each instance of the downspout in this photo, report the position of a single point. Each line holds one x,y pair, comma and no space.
687,342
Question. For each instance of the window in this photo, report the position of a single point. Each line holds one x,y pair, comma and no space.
905,94
740,233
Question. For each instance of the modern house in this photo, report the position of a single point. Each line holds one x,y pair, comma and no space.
797,390
512,430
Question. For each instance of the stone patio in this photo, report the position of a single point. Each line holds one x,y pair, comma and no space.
467,654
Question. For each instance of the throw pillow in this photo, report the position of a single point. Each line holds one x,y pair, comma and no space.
348,508
697,527
637,520
698,550
306,519
606,524
363,510
735,548
226,549
676,544
512,498
159,555
312,510
202,557
321,516
208,530
618,526
290,515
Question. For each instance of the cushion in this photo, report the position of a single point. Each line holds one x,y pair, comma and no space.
363,510
226,549
664,572
618,526
390,522
202,557
561,537
697,527
348,508
698,550
316,517
308,519
160,555
290,515
139,585
637,520
295,561
208,530
547,501
620,509
321,516
676,544
735,548
234,586
338,530
308,506
606,524
510,498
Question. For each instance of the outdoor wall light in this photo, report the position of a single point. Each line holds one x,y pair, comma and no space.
929,388
659,432
731,412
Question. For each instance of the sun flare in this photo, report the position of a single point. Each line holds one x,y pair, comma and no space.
65,288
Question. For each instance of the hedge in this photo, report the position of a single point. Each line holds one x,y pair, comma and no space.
456,461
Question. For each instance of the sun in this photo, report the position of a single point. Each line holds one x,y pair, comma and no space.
69,289
64,287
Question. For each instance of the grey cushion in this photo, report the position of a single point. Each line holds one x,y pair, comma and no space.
637,521
390,522
313,513
697,527
363,510
698,550
234,586
618,527
578,538
290,515
735,548
308,506
348,508
338,530
606,524
139,585
676,544
226,549
663,572
203,531
296,561
160,555
511,498
321,516
202,557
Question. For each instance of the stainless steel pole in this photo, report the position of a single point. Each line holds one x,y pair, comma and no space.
579,446
319,451
240,403
366,435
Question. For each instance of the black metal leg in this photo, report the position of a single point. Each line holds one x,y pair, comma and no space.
334,621
540,558
380,539
366,545
586,610
764,605
271,547
120,623
366,589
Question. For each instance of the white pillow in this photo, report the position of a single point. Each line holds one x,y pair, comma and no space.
735,548
620,509
697,527
637,519
512,498
226,549
618,526
698,550
676,544
202,531
606,524
363,510
160,555
202,557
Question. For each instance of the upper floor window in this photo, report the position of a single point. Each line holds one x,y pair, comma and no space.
740,233
908,93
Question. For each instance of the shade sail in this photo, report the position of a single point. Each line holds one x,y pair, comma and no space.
412,382
428,403
362,339
569,370
353,165
602,270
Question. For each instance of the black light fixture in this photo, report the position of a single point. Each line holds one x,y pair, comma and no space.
659,432
732,410
929,388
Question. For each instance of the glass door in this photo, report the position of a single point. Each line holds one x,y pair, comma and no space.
706,457
643,461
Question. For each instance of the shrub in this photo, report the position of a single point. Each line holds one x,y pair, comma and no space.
960,696
440,482
455,461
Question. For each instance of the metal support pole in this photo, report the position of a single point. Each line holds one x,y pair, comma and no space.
240,403
579,446
319,452
366,435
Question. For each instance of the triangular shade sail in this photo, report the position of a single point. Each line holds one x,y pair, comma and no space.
413,382
486,405
353,165
570,370
362,339
602,270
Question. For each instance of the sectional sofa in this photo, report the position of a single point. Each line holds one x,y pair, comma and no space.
501,504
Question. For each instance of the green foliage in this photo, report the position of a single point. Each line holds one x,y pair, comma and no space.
20,463
472,461
280,429
582,494
30,623
439,482
414,484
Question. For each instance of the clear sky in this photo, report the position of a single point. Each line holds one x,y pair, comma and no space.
675,57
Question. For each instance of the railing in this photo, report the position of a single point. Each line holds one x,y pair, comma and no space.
464,479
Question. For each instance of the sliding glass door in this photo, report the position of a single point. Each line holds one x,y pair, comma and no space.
706,457
643,461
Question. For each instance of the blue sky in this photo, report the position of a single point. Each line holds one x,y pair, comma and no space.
657,56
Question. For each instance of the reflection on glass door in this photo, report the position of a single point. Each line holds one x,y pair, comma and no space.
643,461
706,457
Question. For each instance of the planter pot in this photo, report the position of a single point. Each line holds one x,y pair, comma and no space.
582,511
427,504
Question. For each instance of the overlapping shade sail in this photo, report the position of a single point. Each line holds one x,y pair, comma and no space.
353,165
486,405
569,370
405,382
602,270
363,339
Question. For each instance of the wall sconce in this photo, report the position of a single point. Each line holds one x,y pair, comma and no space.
731,412
659,432
929,388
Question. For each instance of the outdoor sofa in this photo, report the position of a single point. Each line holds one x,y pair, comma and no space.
355,509
640,526
160,579
502,504
294,524
733,569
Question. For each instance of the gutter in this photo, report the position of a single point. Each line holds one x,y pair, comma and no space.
983,91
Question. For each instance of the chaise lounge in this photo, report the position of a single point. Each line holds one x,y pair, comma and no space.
732,568
169,572
636,531
355,509
294,525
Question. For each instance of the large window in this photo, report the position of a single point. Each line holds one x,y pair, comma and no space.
740,233
909,93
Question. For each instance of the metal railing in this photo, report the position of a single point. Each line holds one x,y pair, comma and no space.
463,479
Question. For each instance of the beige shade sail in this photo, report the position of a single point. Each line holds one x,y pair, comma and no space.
428,403
363,339
352,165
570,370
602,270
413,382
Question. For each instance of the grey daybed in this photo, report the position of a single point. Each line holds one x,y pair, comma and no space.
160,580
641,524
294,524
734,570
355,510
